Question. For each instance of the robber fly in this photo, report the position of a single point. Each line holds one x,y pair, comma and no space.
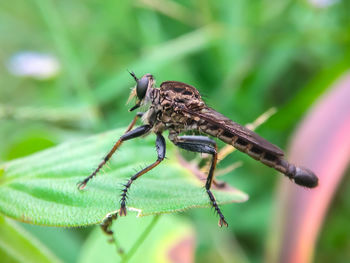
178,107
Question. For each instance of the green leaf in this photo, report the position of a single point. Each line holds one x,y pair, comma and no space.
41,189
16,245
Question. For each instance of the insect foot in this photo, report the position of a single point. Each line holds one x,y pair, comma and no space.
222,221
122,211
81,185
124,195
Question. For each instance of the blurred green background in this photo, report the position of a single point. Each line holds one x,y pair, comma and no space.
64,76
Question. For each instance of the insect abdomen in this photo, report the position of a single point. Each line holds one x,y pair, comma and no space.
252,150
299,175
242,145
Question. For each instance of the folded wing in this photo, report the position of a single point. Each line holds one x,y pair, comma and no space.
230,129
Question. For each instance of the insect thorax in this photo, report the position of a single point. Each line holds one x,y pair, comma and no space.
166,110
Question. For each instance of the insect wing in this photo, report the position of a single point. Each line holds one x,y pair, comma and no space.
234,129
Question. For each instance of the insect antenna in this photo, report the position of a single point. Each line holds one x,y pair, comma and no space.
133,75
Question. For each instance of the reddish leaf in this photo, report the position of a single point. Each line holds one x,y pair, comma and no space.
322,143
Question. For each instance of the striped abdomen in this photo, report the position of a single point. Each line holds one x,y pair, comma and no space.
299,175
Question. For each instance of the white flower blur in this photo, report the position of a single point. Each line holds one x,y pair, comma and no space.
33,64
323,3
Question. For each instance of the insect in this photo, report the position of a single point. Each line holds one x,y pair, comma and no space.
178,107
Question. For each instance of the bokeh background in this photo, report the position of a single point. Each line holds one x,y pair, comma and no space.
63,76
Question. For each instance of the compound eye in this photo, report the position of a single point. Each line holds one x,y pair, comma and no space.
141,88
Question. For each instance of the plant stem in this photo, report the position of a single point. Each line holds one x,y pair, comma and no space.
140,240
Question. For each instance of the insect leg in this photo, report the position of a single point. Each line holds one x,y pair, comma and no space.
204,144
137,132
160,146
106,225
219,184
131,125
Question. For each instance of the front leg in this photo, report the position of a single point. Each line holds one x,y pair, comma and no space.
137,132
160,146
203,144
131,125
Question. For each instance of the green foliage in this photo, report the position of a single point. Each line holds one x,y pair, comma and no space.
243,56
14,239
41,189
